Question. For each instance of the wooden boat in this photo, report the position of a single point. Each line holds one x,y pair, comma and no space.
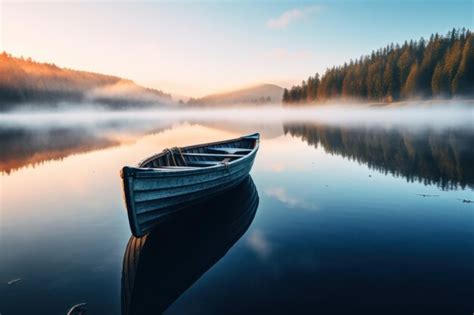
179,177
159,267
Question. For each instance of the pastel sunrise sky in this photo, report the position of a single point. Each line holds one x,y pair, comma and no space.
196,48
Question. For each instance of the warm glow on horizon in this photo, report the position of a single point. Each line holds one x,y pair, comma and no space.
194,49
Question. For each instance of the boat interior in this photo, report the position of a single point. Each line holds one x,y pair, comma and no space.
202,155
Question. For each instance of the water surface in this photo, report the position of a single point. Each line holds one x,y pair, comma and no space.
337,218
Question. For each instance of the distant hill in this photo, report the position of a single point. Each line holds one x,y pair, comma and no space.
260,94
24,81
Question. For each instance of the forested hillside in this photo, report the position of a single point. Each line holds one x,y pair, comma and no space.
441,67
26,81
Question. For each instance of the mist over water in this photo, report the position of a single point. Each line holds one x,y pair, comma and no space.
343,200
415,115
435,134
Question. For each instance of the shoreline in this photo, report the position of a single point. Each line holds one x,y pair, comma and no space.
427,102
382,104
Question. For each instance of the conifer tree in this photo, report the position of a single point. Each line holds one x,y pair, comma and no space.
441,66
463,82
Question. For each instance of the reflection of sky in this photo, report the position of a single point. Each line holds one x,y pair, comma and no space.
257,242
282,195
292,172
69,215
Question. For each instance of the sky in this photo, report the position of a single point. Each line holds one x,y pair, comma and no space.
194,48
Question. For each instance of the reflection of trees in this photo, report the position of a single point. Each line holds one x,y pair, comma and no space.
21,147
429,156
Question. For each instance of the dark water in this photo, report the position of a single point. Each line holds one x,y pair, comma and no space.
335,219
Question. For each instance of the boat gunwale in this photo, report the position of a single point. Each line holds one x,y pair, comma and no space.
144,172
140,173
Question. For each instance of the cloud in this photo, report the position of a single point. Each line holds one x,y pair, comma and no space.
259,244
282,195
290,16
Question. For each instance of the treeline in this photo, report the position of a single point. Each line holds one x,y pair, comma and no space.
26,81
443,66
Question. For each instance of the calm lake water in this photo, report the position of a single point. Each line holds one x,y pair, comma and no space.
338,217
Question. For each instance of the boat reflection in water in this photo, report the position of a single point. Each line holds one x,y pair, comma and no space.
162,265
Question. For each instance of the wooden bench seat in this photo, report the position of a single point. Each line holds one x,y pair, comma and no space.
180,168
230,150
204,163
214,155
209,163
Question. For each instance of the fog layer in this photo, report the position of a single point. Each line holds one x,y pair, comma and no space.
440,115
